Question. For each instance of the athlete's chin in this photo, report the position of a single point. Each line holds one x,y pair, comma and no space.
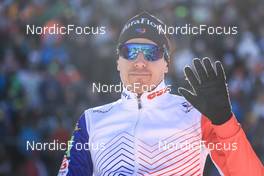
141,85
140,82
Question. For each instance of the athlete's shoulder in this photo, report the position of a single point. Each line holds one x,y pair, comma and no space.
103,109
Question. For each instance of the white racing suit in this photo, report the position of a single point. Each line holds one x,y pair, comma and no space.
158,134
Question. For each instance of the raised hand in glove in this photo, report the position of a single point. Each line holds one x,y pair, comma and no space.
210,95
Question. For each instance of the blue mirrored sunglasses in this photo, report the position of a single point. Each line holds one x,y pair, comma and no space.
151,52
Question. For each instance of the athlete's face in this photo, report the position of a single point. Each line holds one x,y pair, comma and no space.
141,75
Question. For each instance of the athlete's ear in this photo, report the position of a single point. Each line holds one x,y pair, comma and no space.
166,69
118,64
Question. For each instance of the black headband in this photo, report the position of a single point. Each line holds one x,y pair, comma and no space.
145,25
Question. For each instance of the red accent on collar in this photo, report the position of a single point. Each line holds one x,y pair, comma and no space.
157,93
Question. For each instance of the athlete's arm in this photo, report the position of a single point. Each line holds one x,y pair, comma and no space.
231,151
77,161
219,125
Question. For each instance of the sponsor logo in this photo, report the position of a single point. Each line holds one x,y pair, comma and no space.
158,93
141,21
187,107
126,96
141,30
103,111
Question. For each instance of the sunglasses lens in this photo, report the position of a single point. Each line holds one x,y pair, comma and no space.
130,51
153,53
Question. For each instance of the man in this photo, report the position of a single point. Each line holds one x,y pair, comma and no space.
152,132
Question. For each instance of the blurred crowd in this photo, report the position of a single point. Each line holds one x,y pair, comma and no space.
46,80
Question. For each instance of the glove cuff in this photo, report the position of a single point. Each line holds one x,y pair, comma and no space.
228,129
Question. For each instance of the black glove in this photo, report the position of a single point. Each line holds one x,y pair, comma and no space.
210,95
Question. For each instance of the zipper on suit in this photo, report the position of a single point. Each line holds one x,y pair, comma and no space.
139,102
135,135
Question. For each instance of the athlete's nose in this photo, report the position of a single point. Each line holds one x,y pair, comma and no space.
140,61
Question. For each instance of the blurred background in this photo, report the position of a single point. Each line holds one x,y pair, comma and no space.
46,80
